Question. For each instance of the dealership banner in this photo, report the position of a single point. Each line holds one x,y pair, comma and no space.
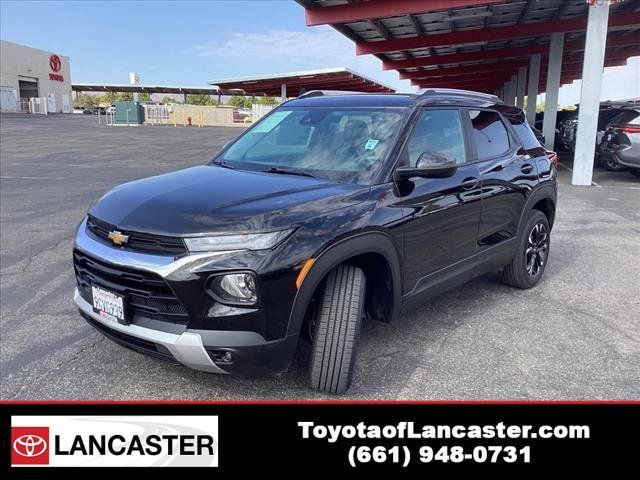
331,437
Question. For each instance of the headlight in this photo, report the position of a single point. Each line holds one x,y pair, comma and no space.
235,288
249,241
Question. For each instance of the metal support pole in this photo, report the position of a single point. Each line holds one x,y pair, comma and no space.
283,92
513,83
532,93
522,86
594,49
553,87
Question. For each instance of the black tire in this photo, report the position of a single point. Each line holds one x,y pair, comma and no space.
337,328
527,266
635,172
611,165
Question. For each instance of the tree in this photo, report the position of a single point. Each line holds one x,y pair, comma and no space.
266,101
166,100
239,101
85,100
200,99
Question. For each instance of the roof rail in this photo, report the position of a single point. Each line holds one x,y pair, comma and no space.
319,93
459,93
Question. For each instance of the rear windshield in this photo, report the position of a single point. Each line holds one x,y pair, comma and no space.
627,117
342,144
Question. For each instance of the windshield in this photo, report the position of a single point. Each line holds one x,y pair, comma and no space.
342,144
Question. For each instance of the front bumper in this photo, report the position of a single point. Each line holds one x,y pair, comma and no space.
189,336
197,349
186,348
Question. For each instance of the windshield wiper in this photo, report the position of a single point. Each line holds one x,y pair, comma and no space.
284,171
223,165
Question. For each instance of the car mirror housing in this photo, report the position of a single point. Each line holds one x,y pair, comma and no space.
429,165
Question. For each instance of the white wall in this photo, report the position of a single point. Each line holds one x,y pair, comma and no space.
18,60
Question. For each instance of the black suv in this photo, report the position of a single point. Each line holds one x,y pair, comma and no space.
331,209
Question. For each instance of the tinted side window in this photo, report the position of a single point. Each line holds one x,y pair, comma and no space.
529,140
489,133
437,131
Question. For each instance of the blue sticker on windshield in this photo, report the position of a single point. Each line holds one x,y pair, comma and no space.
371,144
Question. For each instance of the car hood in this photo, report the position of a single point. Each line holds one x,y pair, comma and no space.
210,199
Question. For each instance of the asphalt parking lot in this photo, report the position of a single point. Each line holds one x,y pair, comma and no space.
575,336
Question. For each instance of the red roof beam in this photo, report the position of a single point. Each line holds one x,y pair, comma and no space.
622,19
497,78
574,45
461,72
482,67
354,12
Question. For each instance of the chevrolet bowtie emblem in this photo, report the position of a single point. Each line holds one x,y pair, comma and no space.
118,238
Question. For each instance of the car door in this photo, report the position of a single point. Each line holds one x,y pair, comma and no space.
508,174
441,231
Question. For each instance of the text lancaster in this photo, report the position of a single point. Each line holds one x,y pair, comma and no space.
150,445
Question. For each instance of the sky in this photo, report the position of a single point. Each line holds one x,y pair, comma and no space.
190,43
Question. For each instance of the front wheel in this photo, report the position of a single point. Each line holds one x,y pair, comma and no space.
527,266
337,327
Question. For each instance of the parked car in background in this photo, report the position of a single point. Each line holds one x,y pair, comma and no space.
241,115
620,148
89,111
560,117
568,126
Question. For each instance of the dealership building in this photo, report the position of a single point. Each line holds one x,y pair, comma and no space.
33,80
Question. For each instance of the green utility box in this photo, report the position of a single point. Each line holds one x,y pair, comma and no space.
129,112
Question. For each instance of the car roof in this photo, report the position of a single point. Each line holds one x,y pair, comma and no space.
429,97
353,100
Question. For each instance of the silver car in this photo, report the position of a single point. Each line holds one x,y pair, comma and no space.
620,148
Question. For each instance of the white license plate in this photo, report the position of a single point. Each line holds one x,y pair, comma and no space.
108,304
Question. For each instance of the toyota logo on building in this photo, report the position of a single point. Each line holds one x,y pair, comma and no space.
55,63
30,445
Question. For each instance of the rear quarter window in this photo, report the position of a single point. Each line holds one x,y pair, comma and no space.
524,133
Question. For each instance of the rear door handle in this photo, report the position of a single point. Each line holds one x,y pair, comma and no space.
470,183
527,168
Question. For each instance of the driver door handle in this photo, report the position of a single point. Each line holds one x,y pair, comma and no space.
470,183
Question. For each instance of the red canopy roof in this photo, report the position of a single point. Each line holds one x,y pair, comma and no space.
453,42
299,82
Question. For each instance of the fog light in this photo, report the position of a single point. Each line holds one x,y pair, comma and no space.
235,288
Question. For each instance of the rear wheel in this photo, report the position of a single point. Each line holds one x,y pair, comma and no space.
336,329
611,165
527,266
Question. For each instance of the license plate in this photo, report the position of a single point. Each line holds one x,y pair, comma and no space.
108,304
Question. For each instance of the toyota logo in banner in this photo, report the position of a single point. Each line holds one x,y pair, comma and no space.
55,63
30,445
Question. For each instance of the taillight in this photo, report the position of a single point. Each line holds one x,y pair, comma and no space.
553,157
630,129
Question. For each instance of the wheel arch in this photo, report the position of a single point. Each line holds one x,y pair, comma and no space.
368,250
543,199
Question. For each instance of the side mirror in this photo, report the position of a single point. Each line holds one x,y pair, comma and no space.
429,165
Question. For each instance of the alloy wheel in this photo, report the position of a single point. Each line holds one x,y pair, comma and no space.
537,249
